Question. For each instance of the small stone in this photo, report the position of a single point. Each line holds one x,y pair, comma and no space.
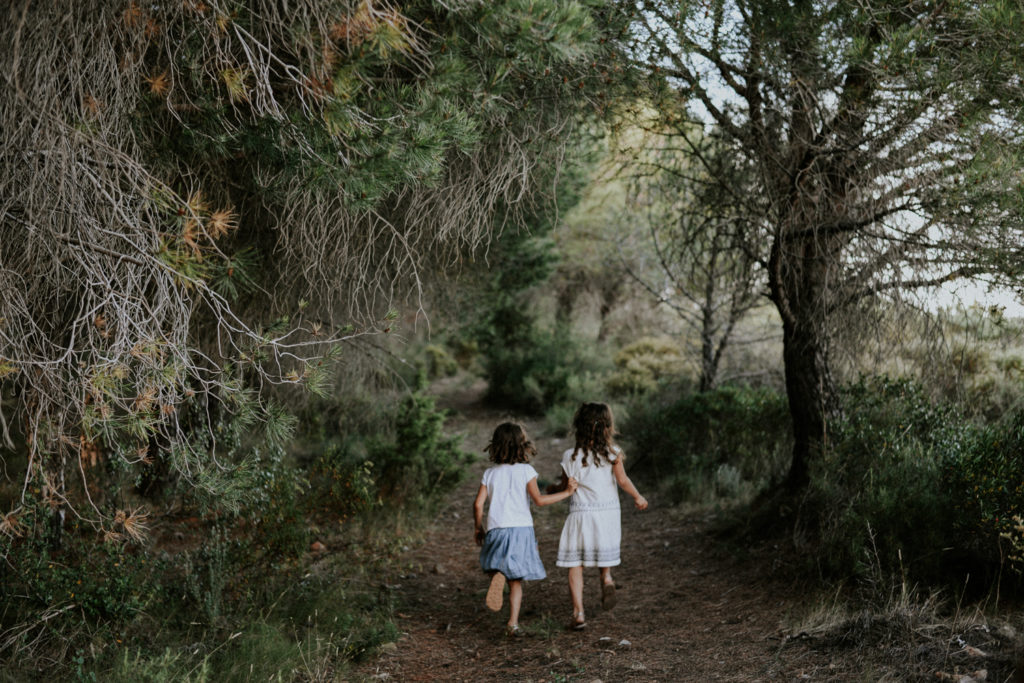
625,643
604,639
439,568
388,648
318,547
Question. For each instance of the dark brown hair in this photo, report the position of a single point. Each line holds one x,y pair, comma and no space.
510,445
595,432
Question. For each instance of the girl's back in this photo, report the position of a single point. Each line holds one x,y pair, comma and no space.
596,477
510,503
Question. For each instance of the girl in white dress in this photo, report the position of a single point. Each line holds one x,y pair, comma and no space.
592,532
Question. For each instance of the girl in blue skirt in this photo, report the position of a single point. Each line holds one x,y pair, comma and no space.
509,546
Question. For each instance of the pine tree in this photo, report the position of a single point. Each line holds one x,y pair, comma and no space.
201,199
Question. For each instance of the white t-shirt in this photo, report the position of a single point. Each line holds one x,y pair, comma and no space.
506,488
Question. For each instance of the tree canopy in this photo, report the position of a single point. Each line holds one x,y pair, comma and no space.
202,198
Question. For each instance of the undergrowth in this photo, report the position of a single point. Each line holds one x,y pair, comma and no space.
283,585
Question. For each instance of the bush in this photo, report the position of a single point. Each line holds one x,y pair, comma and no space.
104,582
342,484
683,441
911,485
645,363
536,373
878,494
279,508
438,362
986,484
419,461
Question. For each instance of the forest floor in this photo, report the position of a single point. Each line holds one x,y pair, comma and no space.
691,607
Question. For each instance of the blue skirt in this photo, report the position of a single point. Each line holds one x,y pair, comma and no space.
513,552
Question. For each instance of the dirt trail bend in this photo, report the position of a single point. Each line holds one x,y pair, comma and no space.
688,610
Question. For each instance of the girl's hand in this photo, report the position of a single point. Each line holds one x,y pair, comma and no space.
640,502
572,484
479,536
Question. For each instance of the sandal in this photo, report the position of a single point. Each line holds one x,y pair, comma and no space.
608,596
578,623
513,632
495,592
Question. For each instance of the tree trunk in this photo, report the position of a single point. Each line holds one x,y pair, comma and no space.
798,284
812,397
708,358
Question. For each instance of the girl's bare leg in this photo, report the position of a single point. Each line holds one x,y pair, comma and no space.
608,598
576,592
606,576
515,601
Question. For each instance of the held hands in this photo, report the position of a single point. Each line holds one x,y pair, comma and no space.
640,502
572,485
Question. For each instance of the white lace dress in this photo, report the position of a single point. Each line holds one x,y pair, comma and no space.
593,530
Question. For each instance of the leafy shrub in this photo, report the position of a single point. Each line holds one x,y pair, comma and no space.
534,373
439,362
684,440
878,493
279,509
342,483
208,571
985,476
465,352
104,582
419,461
642,365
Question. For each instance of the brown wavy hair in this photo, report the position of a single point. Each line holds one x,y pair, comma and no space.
510,445
595,432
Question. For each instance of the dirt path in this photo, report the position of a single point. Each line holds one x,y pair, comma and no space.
690,610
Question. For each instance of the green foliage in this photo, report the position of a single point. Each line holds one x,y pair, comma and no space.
279,511
102,582
528,366
208,572
418,461
342,484
985,477
535,373
642,365
878,494
706,443
439,362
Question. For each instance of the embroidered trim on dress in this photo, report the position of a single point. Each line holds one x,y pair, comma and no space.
589,555
593,507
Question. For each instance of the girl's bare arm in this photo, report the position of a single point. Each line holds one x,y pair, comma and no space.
478,514
547,499
619,470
